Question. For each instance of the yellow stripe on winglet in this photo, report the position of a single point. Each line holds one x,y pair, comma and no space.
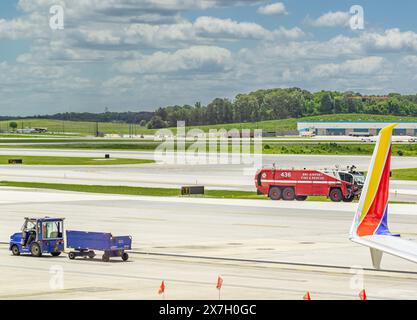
377,167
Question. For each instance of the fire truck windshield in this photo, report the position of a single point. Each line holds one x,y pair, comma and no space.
359,179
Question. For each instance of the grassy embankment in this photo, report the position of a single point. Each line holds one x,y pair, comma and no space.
269,147
89,128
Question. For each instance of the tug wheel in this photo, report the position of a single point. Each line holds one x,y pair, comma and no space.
35,249
15,250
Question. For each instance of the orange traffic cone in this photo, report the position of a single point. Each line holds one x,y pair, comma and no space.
307,296
362,295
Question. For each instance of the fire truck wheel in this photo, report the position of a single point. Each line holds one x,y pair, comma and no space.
288,194
301,198
336,195
275,193
348,199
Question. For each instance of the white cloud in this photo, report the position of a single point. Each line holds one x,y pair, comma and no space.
331,19
120,83
391,40
32,26
363,66
200,59
227,28
410,61
149,49
274,8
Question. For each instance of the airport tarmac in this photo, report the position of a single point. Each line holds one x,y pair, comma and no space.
291,247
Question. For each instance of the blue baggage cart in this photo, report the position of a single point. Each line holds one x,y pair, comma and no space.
85,243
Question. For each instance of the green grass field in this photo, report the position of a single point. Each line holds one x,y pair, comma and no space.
310,148
75,127
290,146
155,192
73,161
124,190
404,174
89,128
334,148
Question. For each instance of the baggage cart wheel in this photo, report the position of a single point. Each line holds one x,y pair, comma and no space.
105,257
71,255
55,254
125,256
15,250
91,254
35,249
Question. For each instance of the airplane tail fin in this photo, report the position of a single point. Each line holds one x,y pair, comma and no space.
371,217
372,214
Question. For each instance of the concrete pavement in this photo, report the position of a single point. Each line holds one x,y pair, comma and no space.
289,232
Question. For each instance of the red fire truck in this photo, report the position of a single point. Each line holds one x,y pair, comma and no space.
290,184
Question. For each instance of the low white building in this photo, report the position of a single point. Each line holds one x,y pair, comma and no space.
354,128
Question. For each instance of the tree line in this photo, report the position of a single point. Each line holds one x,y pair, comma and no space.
280,103
261,105
123,117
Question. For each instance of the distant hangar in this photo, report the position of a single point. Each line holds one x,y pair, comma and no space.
354,128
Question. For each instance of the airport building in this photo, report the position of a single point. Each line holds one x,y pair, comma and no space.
354,128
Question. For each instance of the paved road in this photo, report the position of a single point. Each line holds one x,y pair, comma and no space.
311,233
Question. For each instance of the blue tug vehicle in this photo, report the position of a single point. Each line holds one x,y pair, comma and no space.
46,236
39,236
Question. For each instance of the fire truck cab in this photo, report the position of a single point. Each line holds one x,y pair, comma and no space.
291,184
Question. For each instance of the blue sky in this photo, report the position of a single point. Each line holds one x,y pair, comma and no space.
140,55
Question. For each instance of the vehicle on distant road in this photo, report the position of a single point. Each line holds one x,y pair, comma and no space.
291,184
